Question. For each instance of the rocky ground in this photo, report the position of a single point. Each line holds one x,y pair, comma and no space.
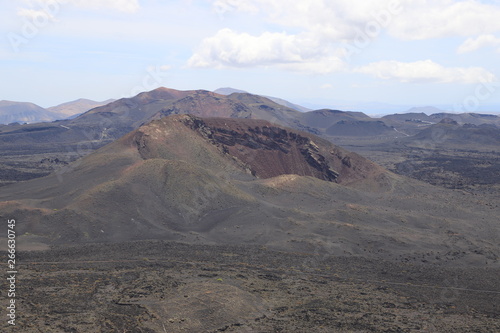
174,287
25,162
470,168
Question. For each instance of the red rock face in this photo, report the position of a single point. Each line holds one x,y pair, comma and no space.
267,150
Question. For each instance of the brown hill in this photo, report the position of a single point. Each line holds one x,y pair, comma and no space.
127,114
76,107
264,149
202,103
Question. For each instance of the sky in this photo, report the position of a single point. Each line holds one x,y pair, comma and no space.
345,54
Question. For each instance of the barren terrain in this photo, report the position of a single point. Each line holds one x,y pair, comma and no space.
175,287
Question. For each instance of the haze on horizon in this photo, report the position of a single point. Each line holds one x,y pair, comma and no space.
338,53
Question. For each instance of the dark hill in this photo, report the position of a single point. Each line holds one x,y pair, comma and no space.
449,132
359,128
325,118
409,117
409,123
467,118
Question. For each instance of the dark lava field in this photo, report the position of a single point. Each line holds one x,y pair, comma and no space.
159,286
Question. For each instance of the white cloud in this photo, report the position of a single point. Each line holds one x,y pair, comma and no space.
241,49
404,19
333,19
228,48
425,19
322,28
426,71
473,44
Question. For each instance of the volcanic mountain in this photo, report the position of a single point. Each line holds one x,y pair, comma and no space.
233,181
264,149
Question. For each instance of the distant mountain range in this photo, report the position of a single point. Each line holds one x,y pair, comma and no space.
106,123
24,112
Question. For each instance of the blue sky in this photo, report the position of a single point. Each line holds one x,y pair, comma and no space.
344,54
